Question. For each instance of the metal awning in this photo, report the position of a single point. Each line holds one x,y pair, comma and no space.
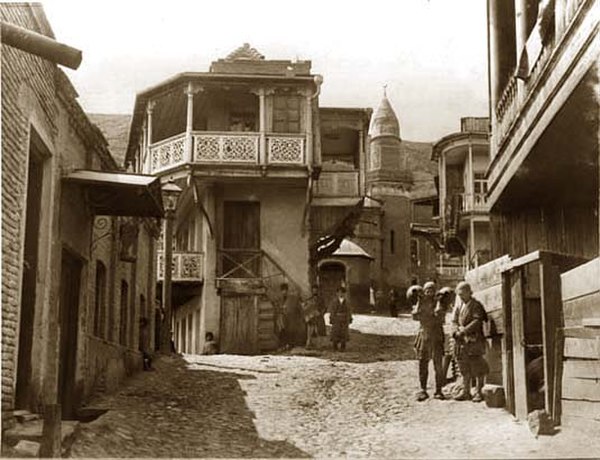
120,194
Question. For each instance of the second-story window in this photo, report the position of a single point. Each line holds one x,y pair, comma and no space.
480,184
286,114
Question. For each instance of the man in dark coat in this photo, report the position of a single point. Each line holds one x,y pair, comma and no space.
470,345
429,343
340,318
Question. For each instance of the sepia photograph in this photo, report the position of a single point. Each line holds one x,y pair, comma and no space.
315,229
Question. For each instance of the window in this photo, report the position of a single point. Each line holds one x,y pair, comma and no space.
100,300
124,310
392,241
286,114
480,184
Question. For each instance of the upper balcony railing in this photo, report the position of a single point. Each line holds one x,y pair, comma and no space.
473,202
547,54
228,148
187,266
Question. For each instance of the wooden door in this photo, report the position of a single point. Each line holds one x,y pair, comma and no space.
331,277
239,324
552,320
70,283
241,239
518,340
29,282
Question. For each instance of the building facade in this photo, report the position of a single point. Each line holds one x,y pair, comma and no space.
73,231
543,197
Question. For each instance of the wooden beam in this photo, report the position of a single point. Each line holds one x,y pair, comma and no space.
40,45
582,369
581,389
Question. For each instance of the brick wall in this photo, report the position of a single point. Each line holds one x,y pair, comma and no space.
27,85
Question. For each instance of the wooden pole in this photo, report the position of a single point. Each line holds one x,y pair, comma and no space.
40,45
51,432
165,344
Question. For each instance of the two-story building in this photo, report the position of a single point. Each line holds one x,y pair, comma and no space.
242,141
462,159
543,197
77,235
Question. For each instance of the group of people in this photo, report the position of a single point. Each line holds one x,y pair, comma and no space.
467,345
302,322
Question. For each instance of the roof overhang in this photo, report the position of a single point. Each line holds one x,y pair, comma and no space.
120,194
457,140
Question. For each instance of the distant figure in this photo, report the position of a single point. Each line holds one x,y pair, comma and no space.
470,344
144,344
211,347
280,315
372,299
393,303
340,319
429,343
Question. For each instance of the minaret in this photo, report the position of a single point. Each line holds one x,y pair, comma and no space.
389,180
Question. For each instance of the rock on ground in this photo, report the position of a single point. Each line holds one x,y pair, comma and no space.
360,403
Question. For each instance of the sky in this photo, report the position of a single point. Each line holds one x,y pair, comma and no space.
431,54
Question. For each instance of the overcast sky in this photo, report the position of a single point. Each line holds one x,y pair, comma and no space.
431,53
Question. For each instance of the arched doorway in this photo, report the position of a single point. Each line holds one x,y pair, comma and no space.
331,276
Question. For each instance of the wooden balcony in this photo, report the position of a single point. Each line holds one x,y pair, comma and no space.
550,69
187,266
338,184
473,202
228,148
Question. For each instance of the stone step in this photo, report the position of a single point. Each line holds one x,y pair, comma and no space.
32,431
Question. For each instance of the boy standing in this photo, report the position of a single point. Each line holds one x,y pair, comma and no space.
429,344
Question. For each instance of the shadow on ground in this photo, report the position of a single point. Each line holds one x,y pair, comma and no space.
364,348
178,412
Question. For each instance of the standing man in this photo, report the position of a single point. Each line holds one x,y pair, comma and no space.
429,344
340,318
313,316
467,323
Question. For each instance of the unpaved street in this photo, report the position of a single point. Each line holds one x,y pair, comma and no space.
359,404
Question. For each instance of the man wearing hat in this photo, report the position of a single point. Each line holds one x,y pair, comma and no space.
429,344
470,344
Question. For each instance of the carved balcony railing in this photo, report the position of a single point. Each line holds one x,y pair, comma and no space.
285,148
473,202
230,147
187,266
167,153
218,148
338,183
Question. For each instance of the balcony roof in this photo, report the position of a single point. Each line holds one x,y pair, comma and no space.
456,140
178,80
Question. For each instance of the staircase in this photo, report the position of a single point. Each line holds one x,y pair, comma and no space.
256,275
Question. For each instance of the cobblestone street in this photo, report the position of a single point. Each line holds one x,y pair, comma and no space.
360,403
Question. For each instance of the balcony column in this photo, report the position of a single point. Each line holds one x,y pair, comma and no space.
189,91
149,110
501,47
262,148
309,130
145,150
471,175
443,205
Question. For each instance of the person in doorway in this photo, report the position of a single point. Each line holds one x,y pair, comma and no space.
340,319
211,347
469,348
145,344
429,343
280,317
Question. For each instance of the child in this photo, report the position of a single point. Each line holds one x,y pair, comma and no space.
340,319
210,345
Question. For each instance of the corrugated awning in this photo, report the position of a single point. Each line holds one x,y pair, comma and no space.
120,194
